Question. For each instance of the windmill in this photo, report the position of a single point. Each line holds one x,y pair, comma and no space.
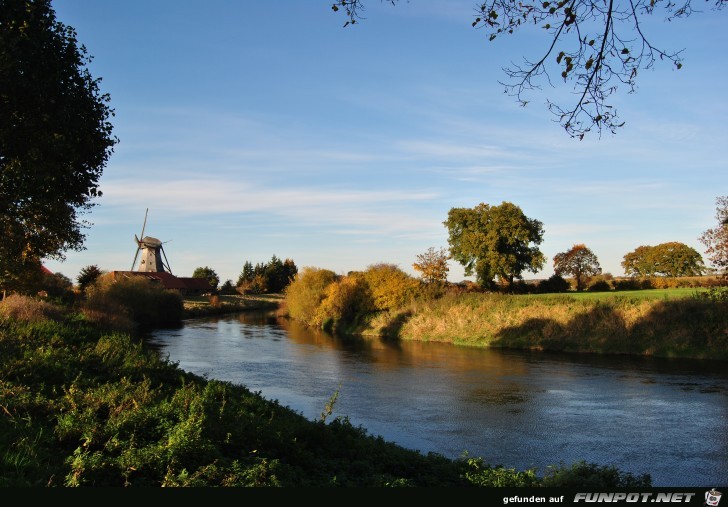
152,253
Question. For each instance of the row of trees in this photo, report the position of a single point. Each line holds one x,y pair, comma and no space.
498,244
269,277
265,277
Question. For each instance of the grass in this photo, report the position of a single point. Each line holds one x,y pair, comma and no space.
674,293
664,323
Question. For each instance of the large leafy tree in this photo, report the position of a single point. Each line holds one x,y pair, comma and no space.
715,239
638,262
594,46
677,259
495,242
209,274
578,262
666,259
55,138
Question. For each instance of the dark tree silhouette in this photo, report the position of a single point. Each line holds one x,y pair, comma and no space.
55,137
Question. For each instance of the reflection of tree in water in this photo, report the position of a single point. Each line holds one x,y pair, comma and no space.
392,354
510,394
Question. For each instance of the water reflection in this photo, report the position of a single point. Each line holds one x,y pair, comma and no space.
520,409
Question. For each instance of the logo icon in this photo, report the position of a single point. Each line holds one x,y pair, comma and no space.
712,497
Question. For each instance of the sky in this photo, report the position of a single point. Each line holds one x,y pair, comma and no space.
250,129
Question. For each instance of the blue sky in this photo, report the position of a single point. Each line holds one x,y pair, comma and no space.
253,128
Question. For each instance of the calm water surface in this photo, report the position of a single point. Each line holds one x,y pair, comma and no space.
667,418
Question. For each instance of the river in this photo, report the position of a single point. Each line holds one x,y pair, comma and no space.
520,409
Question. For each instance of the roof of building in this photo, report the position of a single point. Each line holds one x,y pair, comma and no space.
169,280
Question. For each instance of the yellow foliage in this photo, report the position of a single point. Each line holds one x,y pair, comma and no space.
390,287
345,299
306,292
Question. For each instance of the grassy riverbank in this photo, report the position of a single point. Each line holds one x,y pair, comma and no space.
662,324
680,319
202,306
84,406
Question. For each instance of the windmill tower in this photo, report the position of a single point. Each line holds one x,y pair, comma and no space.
153,258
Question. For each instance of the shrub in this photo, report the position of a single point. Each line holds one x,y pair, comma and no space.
717,294
555,283
28,309
627,284
646,284
345,300
520,287
57,286
591,475
304,295
599,286
479,473
390,287
143,301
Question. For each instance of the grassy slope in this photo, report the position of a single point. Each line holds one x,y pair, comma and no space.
661,322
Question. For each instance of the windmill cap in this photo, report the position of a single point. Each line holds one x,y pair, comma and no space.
150,241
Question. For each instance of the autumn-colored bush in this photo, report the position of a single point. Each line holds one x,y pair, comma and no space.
346,300
390,287
306,292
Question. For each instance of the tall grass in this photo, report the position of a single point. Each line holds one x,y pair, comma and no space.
681,327
28,309
133,301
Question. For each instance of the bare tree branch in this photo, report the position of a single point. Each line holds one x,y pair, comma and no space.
601,47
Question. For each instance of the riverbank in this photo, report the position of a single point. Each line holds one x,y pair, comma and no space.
673,327
84,406
203,306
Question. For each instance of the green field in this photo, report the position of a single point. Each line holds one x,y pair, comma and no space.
675,293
